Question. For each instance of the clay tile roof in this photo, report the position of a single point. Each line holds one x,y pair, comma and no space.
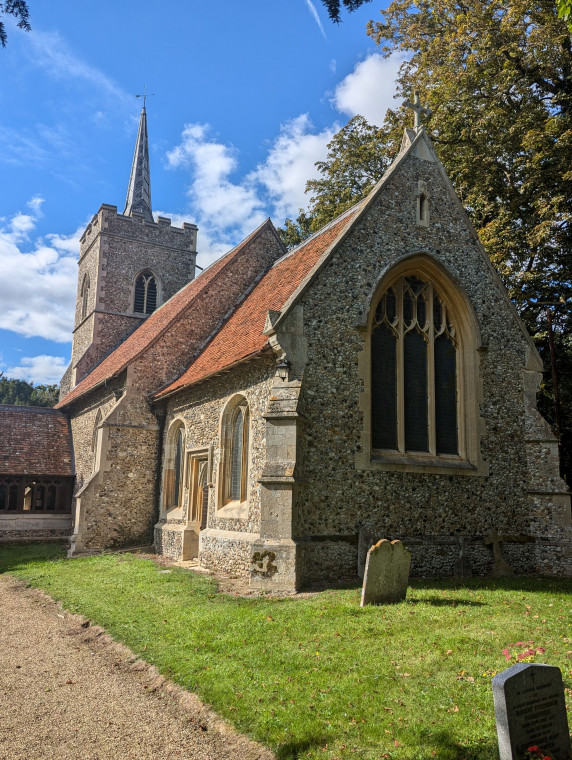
34,441
155,325
241,337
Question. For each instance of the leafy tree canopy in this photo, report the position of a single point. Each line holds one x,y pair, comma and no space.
565,11
18,9
357,158
22,393
498,76
334,7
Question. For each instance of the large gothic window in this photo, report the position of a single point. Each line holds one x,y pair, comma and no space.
414,371
145,300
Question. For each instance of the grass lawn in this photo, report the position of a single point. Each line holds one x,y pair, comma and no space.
319,677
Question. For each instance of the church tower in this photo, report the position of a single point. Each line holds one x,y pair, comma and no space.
129,265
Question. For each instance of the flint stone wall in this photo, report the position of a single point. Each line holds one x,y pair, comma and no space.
200,407
337,499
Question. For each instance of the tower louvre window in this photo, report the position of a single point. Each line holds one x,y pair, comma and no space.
145,301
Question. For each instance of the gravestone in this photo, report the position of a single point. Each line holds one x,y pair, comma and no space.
367,536
386,573
500,565
530,710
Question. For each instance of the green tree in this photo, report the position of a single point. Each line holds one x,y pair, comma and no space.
18,9
565,11
334,7
22,393
498,76
357,157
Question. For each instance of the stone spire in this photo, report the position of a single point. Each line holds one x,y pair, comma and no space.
139,192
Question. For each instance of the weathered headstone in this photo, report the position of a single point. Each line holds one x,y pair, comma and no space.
386,573
530,710
367,536
500,565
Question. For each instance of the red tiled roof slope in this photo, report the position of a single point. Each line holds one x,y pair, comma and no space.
242,336
34,441
155,325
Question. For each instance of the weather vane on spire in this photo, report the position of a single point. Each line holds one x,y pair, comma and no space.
418,109
145,95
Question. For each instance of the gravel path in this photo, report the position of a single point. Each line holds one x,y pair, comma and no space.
69,692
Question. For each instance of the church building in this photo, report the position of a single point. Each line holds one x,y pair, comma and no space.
267,415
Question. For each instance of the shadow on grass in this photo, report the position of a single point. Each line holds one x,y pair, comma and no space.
296,749
443,746
488,583
436,601
13,556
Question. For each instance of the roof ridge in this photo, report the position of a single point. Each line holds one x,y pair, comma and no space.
29,408
319,232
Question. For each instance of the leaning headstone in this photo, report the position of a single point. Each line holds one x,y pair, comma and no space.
386,573
530,710
367,536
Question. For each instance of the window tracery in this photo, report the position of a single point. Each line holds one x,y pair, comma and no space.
414,355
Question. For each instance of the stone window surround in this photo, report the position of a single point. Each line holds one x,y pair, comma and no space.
158,284
225,508
168,510
470,425
422,204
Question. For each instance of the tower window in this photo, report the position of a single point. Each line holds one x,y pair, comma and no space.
84,296
145,301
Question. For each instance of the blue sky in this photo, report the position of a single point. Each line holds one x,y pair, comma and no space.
246,97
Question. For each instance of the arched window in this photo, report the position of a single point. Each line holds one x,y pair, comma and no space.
420,373
174,466
414,371
422,204
235,434
145,300
178,466
84,295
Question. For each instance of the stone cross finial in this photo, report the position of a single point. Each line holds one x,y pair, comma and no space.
418,109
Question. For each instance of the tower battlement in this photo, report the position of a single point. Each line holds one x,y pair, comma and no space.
107,218
129,265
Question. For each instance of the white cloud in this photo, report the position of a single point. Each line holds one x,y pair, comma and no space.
227,206
314,12
224,210
37,287
290,164
50,52
40,370
369,89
